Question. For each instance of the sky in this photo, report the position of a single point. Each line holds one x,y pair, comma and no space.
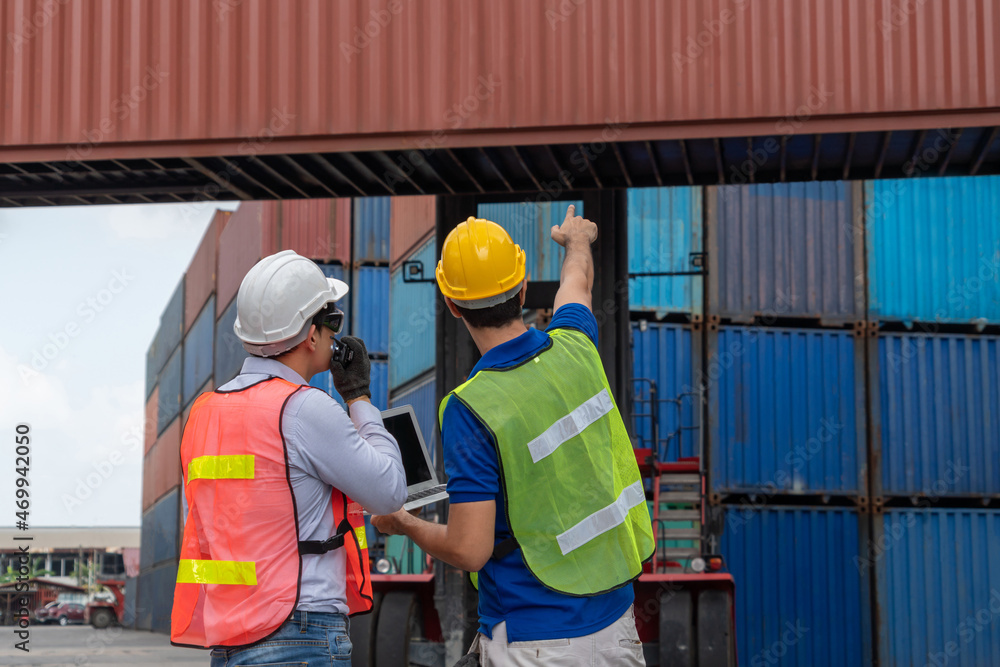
81,291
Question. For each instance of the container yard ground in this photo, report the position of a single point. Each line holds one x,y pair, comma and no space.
53,646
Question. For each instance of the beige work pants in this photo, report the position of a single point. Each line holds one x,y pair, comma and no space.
617,644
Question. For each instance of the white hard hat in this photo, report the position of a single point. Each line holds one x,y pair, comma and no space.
277,300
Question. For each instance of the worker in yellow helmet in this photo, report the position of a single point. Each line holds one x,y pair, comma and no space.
547,506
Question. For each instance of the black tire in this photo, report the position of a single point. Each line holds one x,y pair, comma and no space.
101,618
362,637
676,629
399,619
716,640
63,621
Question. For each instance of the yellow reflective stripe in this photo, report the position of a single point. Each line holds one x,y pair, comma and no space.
233,466
362,537
241,573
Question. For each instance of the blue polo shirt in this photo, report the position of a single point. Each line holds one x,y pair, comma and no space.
507,590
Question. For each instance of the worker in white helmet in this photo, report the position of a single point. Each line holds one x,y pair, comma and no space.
274,556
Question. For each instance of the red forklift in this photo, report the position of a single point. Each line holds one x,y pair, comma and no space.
102,613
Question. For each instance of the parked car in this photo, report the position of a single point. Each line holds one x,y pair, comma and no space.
62,613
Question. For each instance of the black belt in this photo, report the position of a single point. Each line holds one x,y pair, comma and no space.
329,544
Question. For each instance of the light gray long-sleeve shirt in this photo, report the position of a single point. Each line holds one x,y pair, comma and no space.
327,449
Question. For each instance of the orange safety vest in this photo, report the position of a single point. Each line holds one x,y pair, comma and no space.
240,567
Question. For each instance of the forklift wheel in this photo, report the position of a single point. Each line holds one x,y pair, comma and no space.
101,618
362,636
399,619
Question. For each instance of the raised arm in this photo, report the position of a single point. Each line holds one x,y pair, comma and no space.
577,280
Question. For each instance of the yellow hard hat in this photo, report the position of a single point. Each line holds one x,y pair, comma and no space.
480,265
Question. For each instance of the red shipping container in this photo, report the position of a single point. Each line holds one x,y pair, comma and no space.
199,281
164,463
411,222
239,249
319,229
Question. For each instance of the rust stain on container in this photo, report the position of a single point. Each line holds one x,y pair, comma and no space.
411,221
199,281
82,75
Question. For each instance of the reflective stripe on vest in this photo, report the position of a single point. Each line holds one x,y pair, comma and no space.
239,572
574,498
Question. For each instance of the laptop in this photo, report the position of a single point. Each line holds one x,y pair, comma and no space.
422,485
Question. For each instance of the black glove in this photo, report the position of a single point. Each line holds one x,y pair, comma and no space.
351,381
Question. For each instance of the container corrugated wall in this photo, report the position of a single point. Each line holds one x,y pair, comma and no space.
787,411
229,352
938,581
239,249
934,249
199,352
161,592
671,356
529,225
411,221
938,414
800,598
150,426
664,228
169,335
371,229
160,536
413,321
422,395
199,281
370,307
144,603
131,591
170,391
162,465
785,250
319,229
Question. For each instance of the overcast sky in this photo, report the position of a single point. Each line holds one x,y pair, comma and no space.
82,290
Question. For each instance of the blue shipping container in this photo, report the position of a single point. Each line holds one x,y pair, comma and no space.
933,249
530,226
337,271
379,384
229,352
161,595
171,330
785,249
938,411
159,537
198,351
371,229
144,603
787,411
370,307
664,228
131,591
668,355
800,598
413,321
169,403
938,581
423,398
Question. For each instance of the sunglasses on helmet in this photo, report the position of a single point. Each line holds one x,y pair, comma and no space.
330,318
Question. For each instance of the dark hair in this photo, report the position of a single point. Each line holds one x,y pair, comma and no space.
493,317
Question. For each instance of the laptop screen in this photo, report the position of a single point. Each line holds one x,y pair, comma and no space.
404,430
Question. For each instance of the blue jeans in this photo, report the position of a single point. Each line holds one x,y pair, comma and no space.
309,638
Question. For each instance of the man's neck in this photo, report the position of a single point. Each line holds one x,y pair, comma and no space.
488,338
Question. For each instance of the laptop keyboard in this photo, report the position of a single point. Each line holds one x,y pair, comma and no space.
417,495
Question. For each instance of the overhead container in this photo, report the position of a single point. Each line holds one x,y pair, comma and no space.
371,229
199,281
319,229
170,333
664,230
370,307
529,224
169,395
787,411
239,249
150,424
933,249
786,250
198,352
161,591
160,536
801,597
229,351
938,582
411,221
668,355
422,395
413,312
936,414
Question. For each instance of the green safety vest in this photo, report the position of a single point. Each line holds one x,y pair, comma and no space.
574,499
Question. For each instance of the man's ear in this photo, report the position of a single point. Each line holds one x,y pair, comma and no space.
524,291
453,308
313,337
